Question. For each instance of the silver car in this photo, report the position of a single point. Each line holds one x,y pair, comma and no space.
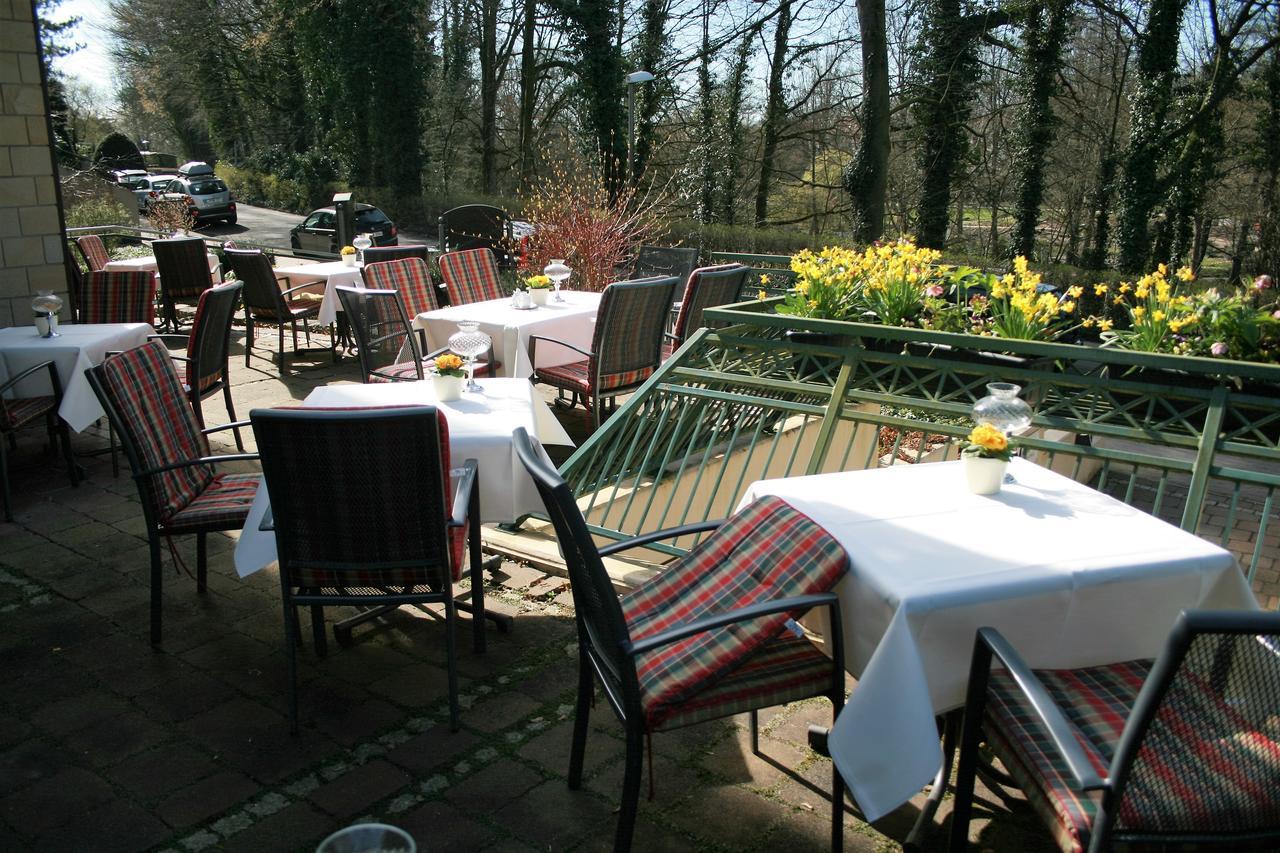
150,188
207,197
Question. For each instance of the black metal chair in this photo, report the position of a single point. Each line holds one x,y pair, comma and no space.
707,287
478,226
383,334
374,549
18,412
679,261
265,301
411,277
182,267
1182,753
626,345
169,455
709,637
380,254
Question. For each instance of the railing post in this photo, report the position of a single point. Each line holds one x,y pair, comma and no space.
831,418
1204,459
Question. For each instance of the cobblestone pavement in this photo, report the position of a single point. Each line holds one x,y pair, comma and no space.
108,744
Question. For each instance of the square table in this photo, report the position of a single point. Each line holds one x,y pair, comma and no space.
1070,576
334,274
572,320
480,428
77,348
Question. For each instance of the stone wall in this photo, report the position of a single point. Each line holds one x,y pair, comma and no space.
31,255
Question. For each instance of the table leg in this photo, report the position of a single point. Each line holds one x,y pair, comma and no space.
918,836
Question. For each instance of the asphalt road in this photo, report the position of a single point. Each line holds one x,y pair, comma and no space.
262,226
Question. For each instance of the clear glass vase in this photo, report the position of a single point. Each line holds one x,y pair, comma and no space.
1002,408
45,307
470,343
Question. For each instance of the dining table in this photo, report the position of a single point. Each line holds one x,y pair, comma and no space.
75,349
480,427
148,262
1070,576
334,274
571,320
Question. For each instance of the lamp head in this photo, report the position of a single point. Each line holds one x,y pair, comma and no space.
639,77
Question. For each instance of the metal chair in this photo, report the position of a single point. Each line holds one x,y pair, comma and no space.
477,226
94,252
707,287
678,261
379,254
182,268
208,350
18,412
169,455
708,637
119,297
265,301
382,335
1177,754
399,538
626,346
471,276
412,279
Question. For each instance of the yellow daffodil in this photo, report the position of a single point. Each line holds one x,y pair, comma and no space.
1105,325
1185,274
1100,290
761,295
1075,292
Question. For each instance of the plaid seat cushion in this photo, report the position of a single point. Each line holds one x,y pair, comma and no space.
1234,778
119,297
576,376
410,277
471,275
298,308
405,371
741,564
94,251
26,409
224,505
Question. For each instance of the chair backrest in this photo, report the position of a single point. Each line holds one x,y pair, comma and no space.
140,391
183,265
678,261
381,328
707,287
475,226
378,254
471,275
359,497
627,344
1200,753
410,277
209,345
594,600
94,251
261,292
75,281
119,297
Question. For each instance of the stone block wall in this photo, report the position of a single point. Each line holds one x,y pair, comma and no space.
31,254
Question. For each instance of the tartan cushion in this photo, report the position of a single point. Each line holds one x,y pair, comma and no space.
405,371
574,376
1234,778
410,277
224,505
624,379
119,297
144,389
182,265
94,251
627,343
770,550
472,276
704,289
212,378
24,410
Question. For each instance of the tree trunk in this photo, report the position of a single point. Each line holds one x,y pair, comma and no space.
650,54
488,96
706,122
528,90
867,178
735,94
775,110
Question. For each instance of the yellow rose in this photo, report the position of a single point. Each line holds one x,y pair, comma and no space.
989,438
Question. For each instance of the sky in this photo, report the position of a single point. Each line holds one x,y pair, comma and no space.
92,64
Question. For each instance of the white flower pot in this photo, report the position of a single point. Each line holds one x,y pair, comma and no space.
984,475
539,295
448,388
349,260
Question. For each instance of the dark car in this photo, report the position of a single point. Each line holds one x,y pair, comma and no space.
319,231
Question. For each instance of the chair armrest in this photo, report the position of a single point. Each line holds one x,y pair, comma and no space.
462,497
300,286
170,336
657,535
221,427
203,460
36,368
719,620
533,346
671,336
1049,714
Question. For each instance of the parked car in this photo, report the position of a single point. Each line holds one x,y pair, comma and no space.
149,188
207,197
129,178
319,231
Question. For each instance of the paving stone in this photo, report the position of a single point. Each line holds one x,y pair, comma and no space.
356,790
432,823
205,799
551,750
299,827
57,801
499,711
488,790
432,749
553,817
115,826
151,775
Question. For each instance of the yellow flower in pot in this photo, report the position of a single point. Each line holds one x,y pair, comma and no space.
539,286
985,454
348,254
447,376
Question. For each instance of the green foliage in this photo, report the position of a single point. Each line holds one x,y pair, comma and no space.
95,210
117,151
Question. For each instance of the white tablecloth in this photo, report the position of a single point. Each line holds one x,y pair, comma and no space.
333,273
1070,576
480,427
572,321
149,263
76,349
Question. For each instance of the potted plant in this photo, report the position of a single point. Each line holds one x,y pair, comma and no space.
447,376
348,255
539,287
985,455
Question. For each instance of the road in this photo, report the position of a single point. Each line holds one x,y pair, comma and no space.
262,226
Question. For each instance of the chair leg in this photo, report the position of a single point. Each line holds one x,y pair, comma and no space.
451,653
202,562
194,397
630,788
970,734
64,435
280,345
477,574
581,715
755,731
231,409
248,336
292,631
157,578
111,440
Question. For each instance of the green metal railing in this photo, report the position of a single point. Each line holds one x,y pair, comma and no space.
1195,441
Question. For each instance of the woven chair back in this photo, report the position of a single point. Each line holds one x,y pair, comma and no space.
707,287
678,261
209,344
381,328
627,342
471,276
409,277
378,254
475,226
183,265
94,251
261,293
360,497
119,297
144,399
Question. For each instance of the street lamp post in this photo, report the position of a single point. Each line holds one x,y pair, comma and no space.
634,79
